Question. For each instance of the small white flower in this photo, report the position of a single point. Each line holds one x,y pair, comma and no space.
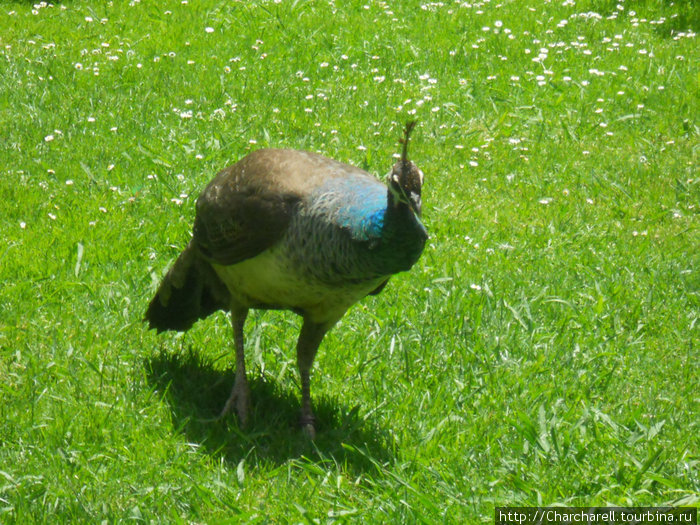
48,138
209,29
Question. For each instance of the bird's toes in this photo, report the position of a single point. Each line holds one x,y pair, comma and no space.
239,400
308,426
309,431
242,410
227,407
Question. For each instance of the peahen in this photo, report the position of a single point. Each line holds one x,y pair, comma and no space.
286,229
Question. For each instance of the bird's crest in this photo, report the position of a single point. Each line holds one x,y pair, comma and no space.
405,179
406,135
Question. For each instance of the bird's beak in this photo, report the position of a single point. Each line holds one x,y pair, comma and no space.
415,201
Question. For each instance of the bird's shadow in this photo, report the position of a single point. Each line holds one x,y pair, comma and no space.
195,391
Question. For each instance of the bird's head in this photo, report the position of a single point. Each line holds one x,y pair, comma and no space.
406,179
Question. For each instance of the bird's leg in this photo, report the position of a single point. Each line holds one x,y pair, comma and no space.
240,393
307,345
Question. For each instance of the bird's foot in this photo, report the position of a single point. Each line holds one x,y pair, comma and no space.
239,398
308,426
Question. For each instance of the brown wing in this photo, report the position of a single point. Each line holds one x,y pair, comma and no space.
239,215
247,207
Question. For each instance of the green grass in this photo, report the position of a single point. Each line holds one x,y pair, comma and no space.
543,351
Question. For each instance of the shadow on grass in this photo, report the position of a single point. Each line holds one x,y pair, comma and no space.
196,392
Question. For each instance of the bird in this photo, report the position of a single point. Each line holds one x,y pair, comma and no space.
292,230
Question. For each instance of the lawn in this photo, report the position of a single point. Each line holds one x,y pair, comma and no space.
543,351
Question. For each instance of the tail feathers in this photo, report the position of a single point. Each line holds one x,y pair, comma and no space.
190,291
